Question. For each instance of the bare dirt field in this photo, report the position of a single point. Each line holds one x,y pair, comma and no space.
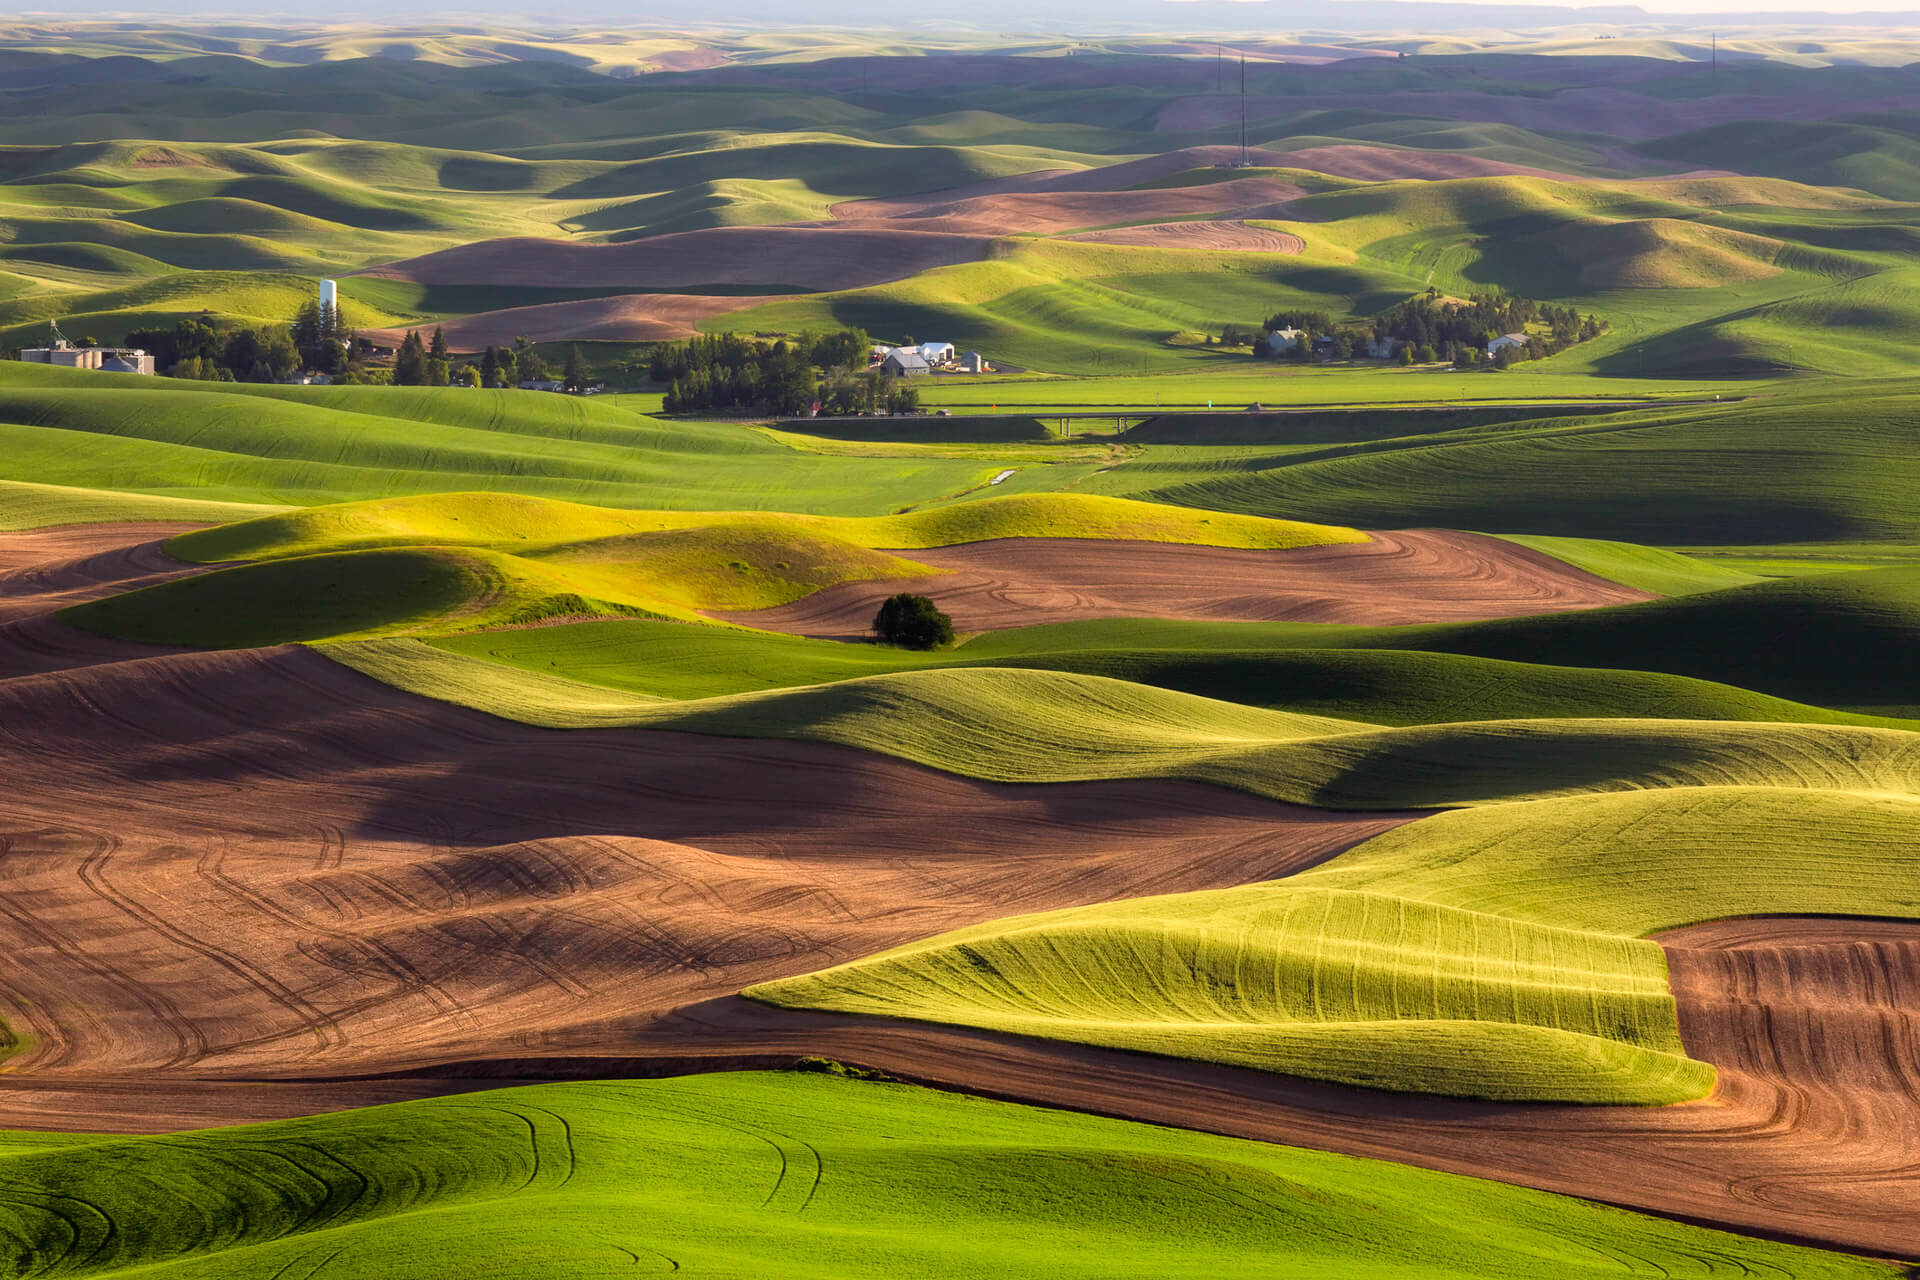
810,257
1238,236
631,317
242,885
1045,212
47,569
1407,576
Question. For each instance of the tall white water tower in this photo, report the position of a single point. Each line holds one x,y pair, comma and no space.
329,295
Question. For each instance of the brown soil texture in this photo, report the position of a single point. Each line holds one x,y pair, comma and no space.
47,569
1046,212
1109,190
1240,237
632,317
261,863
1408,576
774,257
231,882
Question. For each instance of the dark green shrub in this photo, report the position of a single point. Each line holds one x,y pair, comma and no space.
912,622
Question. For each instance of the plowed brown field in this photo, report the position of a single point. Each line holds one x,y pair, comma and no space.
1411,575
630,317
1048,211
1240,237
47,569
230,883
260,862
798,257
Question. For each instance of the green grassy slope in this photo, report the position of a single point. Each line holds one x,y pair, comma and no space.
1666,573
35,506
1383,686
465,561
1833,640
355,593
529,524
1840,640
1816,464
1359,988
1834,154
256,297
279,446
801,1176
1013,725
1489,952
1637,862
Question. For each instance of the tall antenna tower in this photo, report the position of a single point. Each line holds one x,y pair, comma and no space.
1243,111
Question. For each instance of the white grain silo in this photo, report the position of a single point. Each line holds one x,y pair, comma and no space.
329,295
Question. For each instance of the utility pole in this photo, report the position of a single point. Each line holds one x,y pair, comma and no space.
1716,60
1219,67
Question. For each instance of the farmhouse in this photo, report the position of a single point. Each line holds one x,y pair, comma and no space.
1282,341
905,362
1506,340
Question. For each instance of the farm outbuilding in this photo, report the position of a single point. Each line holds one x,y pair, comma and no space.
905,362
936,353
105,359
974,362
1504,341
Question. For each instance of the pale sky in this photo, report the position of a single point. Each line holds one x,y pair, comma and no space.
1699,6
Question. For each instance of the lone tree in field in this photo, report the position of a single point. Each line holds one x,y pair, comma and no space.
576,374
912,622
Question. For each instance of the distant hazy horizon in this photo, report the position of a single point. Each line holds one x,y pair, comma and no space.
1086,18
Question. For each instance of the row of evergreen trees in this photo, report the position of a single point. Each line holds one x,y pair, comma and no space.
729,371
428,363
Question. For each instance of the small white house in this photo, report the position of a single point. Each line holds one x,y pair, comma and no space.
1506,340
937,353
904,362
1281,341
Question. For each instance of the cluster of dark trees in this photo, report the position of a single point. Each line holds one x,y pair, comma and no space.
729,371
316,340
195,349
1429,327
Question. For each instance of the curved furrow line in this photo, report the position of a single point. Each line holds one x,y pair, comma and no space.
325,1030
